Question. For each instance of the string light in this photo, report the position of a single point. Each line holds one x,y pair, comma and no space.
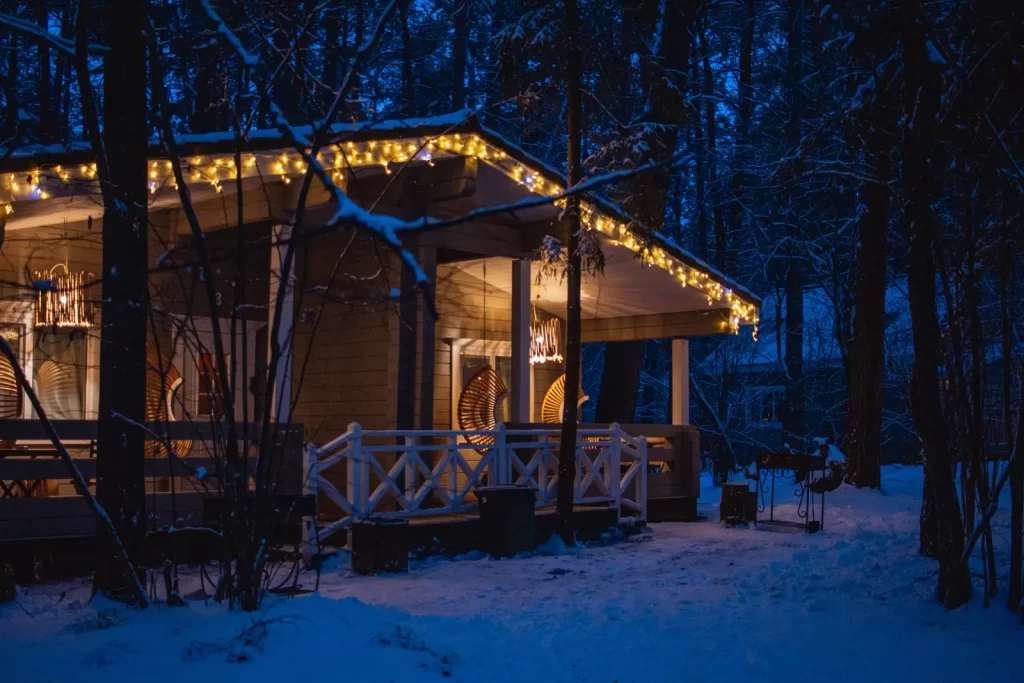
545,345
384,154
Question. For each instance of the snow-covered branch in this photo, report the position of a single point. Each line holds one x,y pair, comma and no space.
39,33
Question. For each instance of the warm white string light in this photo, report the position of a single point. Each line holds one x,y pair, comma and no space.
213,169
545,341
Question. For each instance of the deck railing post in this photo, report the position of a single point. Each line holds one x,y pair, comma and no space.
501,461
352,472
311,467
542,472
577,482
641,491
453,469
613,469
359,476
409,471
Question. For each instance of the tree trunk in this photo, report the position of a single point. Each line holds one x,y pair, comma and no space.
867,348
663,116
711,127
459,54
13,104
119,449
793,427
408,86
45,133
620,381
977,403
64,88
745,105
1007,261
356,110
700,160
922,87
332,29
567,448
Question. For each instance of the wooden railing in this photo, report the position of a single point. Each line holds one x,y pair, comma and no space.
420,473
30,511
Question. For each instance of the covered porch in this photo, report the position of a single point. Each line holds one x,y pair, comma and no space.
435,390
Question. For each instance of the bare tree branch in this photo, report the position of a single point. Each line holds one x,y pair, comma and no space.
39,33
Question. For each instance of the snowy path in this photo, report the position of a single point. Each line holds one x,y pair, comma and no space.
693,602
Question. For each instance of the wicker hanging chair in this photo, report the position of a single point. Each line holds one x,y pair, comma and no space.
160,402
59,387
554,402
479,404
10,396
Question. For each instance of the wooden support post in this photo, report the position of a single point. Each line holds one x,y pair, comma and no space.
680,381
428,262
407,315
411,206
281,401
521,394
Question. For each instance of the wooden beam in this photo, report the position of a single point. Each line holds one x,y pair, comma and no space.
427,257
521,394
411,207
656,326
680,381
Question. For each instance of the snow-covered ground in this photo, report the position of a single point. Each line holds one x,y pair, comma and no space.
687,602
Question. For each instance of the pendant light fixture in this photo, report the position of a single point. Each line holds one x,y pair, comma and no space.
545,340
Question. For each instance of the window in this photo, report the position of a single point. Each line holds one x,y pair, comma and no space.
209,390
766,405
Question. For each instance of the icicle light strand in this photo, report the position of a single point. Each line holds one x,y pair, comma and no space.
42,183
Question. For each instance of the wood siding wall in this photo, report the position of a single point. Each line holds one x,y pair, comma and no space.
349,367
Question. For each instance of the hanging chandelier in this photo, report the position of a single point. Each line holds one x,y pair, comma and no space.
60,298
545,341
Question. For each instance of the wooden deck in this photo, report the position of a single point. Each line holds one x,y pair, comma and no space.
55,511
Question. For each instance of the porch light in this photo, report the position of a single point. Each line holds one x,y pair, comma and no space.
545,342
60,298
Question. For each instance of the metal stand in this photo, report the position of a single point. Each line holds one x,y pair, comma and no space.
799,468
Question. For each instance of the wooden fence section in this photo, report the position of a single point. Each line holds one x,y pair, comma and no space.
34,506
419,473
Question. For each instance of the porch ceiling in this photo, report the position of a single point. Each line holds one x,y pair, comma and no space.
627,287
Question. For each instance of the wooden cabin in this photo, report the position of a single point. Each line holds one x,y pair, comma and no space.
408,399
